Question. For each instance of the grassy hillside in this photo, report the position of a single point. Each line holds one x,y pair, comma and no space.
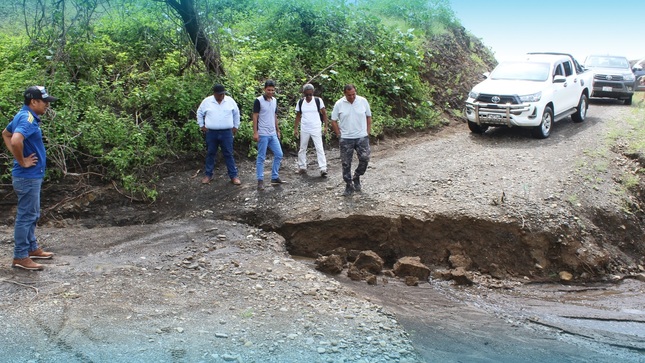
130,81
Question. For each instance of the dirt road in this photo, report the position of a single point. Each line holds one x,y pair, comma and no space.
193,278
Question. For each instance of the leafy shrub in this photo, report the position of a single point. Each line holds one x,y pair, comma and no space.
129,81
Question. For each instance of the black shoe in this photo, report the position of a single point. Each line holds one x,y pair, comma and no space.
277,181
349,190
323,173
260,185
357,184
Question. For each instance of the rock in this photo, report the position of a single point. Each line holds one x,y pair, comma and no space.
332,264
352,255
340,251
460,261
411,266
354,273
371,280
565,276
640,277
461,277
441,274
389,273
412,281
496,272
370,261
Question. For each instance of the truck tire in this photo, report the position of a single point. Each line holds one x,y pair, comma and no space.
477,129
543,130
628,101
581,111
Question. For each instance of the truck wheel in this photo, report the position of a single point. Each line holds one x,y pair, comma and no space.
581,112
477,129
544,129
628,101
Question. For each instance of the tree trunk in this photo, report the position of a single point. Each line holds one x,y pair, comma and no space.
208,54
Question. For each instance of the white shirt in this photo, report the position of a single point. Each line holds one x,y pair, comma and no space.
218,116
310,118
352,117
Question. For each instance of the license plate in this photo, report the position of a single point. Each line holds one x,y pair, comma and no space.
606,89
494,116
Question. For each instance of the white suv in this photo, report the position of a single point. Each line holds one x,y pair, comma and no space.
534,92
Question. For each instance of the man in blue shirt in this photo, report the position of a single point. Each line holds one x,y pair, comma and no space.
219,117
24,139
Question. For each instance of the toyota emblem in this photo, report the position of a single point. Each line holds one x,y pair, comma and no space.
609,78
495,99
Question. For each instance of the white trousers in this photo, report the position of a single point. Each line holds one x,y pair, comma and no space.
320,151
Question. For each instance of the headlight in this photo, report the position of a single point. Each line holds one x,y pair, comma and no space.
531,98
473,95
629,77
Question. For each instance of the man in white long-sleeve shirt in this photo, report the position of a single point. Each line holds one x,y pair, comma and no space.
219,118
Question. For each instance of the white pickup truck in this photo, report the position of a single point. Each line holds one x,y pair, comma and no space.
535,92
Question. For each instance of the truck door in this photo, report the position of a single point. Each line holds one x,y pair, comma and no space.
572,88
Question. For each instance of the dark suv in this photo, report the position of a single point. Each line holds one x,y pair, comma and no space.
612,78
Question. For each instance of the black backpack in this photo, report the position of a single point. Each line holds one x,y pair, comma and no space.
317,105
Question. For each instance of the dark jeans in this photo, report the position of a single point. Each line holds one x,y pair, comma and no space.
347,147
222,139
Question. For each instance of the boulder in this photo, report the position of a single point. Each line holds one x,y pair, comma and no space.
354,273
340,251
332,264
441,274
497,272
370,261
411,266
371,280
461,277
412,281
352,255
460,261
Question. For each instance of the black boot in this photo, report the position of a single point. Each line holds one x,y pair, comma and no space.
357,183
349,190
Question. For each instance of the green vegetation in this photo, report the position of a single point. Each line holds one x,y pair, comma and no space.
130,80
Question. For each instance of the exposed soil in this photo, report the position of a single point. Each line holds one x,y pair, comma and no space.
203,273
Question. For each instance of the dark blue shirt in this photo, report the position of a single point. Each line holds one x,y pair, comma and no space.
27,123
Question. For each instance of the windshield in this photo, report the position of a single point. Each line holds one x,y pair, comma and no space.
521,71
606,62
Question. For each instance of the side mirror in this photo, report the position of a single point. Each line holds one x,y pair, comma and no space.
559,79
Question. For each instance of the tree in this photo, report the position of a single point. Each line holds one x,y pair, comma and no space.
208,53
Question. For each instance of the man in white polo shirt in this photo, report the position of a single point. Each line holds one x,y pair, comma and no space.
351,120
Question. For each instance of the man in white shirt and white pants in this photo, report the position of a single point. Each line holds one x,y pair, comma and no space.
312,118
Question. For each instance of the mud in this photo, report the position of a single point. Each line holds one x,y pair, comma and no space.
530,208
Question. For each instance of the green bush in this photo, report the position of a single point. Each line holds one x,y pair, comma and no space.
129,81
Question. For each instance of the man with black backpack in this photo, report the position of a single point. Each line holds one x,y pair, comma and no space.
312,119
